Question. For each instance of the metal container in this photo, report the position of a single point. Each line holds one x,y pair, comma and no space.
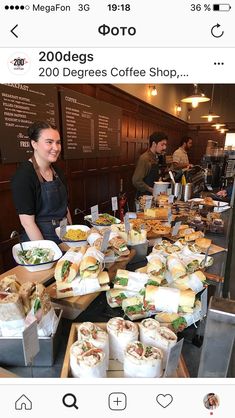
11,348
218,339
141,252
177,190
160,187
187,192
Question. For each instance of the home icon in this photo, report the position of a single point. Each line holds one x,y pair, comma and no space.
23,403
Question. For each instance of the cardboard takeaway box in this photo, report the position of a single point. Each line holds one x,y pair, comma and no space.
11,348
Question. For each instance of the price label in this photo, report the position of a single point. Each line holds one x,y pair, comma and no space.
171,198
204,303
105,241
127,223
94,213
169,219
114,203
63,225
148,202
173,358
175,228
30,342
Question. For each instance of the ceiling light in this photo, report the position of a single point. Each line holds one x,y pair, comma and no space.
218,125
210,116
223,130
196,98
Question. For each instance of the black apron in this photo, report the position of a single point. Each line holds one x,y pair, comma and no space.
152,176
54,205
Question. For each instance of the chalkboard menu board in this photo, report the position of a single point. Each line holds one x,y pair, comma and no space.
21,105
91,128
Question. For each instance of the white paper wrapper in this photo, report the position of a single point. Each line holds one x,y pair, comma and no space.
85,364
113,235
91,239
88,331
164,339
153,255
72,256
136,281
195,283
141,365
120,333
47,324
167,300
84,286
175,266
148,328
93,252
196,315
12,328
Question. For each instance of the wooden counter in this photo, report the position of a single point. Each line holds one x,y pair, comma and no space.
23,275
6,373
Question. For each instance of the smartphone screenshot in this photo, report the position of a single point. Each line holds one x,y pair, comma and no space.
117,165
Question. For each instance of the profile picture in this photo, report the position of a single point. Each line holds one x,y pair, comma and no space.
211,401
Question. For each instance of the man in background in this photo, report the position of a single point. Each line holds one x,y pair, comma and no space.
180,156
147,168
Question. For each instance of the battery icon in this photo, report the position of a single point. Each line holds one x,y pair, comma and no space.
221,7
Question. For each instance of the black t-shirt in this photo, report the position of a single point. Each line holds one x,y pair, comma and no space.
26,189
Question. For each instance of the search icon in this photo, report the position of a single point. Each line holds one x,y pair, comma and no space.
69,400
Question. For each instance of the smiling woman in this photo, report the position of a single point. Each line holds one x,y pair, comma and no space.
39,188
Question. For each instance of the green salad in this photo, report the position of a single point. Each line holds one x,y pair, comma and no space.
36,255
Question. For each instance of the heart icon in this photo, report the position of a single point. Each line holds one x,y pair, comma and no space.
164,400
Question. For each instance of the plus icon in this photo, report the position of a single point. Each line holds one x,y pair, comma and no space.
117,401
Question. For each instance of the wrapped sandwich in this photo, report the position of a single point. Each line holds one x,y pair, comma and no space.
134,307
67,267
81,286
194,281
118,244
148,329
86,360
87,331
34,295
9,284
156,267
163,339
142,361
120,332
12,317
166,299
115,297
176,267
94,238
129,280
91,264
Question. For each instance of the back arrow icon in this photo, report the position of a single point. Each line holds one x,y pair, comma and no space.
12,31
214,28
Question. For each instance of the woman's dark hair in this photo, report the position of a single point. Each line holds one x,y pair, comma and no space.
157,137
35,129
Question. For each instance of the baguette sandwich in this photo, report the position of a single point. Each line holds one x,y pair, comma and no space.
67,267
